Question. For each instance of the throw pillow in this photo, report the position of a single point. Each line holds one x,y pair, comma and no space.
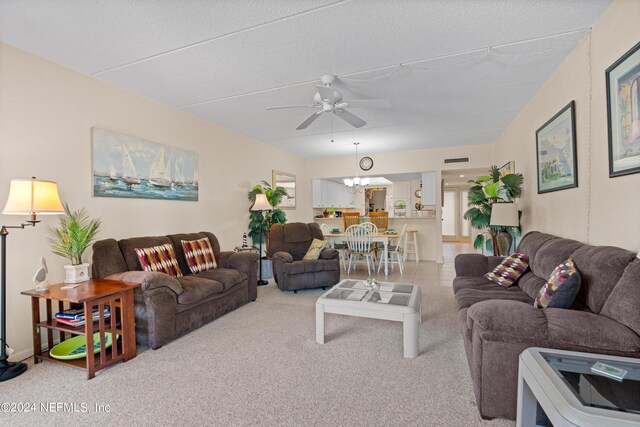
199,255
509,270
317,246
562,287
160,258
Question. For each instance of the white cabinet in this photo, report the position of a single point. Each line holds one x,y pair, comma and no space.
429,187
331,194
316,190
401,190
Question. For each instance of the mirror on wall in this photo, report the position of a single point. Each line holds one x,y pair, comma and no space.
288,182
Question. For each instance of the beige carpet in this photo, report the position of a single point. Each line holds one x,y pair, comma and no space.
260,365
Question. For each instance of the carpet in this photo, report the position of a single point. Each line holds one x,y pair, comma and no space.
260,365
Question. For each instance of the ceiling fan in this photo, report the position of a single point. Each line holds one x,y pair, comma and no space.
329,100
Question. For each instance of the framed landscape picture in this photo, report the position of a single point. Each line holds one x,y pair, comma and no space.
507,168
623,108
556,155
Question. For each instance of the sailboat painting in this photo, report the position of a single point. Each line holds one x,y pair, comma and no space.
129,167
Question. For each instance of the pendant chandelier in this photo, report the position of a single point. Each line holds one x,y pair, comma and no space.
357,184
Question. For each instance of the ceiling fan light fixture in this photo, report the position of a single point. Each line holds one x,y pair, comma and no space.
329,100
356,184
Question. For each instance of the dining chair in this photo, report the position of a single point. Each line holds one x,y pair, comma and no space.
395,252
350,218
359,246
380,219
374,230
325,228
340,247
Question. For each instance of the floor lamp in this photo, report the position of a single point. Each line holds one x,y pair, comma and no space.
261,204
26,197
503,215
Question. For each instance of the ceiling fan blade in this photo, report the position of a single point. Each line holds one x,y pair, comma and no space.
326,93
309,120
366,103
350,118
282,107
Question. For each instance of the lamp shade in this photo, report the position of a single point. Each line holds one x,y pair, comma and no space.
33,196
504,214
261,204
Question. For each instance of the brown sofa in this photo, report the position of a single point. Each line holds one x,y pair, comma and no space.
498,323
168,307
288,244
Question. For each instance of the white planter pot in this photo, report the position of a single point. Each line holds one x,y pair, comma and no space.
76,273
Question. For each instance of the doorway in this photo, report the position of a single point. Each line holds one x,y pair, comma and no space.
454,227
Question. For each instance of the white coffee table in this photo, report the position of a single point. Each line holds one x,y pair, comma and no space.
393,301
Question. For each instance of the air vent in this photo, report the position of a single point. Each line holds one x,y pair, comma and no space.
458,160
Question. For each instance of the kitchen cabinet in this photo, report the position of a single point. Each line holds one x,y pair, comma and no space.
429,188
316,191
331,194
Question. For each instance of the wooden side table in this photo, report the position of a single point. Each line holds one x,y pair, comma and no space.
95,293
246,249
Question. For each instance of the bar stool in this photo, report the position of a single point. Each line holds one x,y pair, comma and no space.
411,245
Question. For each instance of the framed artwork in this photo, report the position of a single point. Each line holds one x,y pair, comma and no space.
129,167
507,168
288,182
556,152
623,109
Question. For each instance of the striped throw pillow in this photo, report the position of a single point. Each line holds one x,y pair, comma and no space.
199,255
160,258
509,270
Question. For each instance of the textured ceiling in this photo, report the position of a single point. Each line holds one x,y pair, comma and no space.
225,61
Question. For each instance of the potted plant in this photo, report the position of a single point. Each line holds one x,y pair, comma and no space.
331,212
71,238
487,190
265,219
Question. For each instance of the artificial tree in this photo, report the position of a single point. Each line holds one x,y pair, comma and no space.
487,190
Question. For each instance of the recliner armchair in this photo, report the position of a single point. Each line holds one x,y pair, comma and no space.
288,244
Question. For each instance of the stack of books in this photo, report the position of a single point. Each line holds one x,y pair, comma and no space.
75,316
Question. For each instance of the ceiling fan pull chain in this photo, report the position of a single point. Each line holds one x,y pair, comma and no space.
332,128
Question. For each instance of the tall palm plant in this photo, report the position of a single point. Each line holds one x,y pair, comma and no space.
486,191
266,218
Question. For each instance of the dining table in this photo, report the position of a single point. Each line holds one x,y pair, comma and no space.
380,237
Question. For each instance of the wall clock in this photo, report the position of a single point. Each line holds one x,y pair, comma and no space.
366,163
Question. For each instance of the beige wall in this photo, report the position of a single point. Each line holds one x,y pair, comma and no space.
601,210
46,115
480,156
